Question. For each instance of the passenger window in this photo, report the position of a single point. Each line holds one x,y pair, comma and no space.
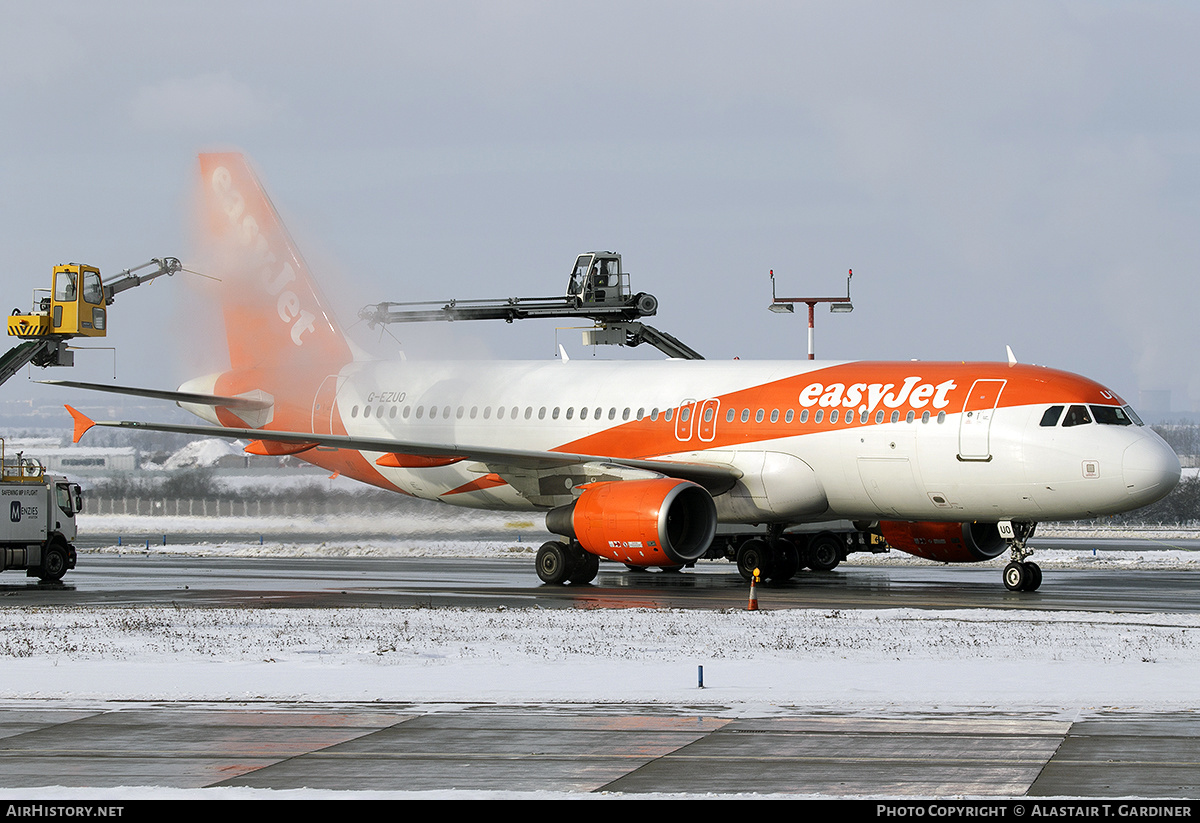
1050,418
804,415
745,415
787,418
833,416
729,415
1076,416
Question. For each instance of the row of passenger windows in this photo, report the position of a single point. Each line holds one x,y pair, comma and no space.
598,413
1079,415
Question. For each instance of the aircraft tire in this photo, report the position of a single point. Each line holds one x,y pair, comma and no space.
1035,577
754,554
554,564
824,553
587,566
1016,577
787,561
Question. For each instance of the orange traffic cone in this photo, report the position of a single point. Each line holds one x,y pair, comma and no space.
752,606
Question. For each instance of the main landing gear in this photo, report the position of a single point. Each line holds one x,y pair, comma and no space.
1022,575
780,557
559,563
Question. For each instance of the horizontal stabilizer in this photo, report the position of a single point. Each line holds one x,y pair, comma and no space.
82,423
246,403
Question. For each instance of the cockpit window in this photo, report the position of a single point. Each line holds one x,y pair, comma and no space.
1133,416
1050,418
1111,416
1077,416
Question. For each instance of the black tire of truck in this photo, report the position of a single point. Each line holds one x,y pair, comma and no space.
54,562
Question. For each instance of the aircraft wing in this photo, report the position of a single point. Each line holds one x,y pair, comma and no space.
247,403
716,478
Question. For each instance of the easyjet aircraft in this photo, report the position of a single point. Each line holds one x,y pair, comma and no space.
639,462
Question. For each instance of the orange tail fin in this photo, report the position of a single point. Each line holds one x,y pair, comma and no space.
275,314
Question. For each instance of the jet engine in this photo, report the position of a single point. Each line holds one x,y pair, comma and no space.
656,522
945,542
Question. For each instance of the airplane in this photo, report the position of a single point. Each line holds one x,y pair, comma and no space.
641,462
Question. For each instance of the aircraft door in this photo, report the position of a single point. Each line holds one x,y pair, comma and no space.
706,427
324,403
684,420
975,423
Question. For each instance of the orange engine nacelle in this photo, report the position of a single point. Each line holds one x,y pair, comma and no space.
659,522
945,542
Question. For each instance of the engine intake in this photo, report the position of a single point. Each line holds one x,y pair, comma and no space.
945,542
658,522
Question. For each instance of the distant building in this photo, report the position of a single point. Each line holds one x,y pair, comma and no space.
74,460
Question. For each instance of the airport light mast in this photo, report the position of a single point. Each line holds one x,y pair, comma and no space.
787,305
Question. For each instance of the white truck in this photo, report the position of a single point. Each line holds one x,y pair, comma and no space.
37,519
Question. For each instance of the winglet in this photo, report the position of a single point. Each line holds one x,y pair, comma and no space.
82,423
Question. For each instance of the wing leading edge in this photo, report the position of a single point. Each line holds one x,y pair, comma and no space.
716,478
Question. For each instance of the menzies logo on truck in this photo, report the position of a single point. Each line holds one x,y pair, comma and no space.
16,510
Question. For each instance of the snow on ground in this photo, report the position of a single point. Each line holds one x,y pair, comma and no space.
759,662
769,662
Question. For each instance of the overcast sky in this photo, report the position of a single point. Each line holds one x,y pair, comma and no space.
995,173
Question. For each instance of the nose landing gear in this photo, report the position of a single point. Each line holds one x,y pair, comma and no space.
1021,575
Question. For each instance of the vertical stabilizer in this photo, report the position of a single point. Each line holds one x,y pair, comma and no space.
275,314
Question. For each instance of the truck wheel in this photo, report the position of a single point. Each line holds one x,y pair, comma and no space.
54,563
826,553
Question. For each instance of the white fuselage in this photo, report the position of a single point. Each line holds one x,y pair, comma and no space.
914,447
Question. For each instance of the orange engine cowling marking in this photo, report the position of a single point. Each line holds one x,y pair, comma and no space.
945,542
658,522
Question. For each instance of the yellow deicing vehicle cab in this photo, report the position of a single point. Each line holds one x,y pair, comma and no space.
76,305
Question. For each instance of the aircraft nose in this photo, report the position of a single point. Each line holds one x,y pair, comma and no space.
1150,470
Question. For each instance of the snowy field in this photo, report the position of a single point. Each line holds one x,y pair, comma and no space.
764,663
757,662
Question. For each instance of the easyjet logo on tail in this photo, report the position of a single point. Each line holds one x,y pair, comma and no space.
868,396
275,273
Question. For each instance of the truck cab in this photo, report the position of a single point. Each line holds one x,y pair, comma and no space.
36,536
597,280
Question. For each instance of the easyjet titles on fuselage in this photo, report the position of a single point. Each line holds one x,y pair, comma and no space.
867,396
